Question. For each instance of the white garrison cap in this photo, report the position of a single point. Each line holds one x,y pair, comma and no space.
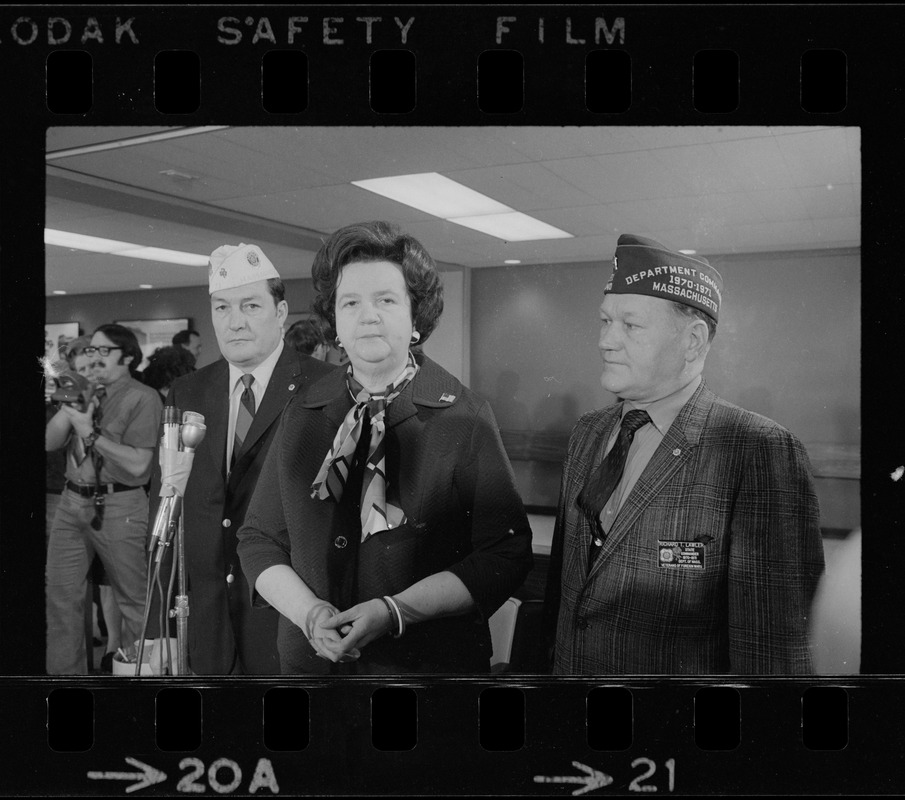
232,266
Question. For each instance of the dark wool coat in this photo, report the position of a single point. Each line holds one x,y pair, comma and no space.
723,476
225,634
454,483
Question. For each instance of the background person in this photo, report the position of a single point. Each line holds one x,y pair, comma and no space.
104,508
387,493
687,538
166,364
307,337
248,309
189,340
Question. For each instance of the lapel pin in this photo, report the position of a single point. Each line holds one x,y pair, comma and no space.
677,452
446,397
291,387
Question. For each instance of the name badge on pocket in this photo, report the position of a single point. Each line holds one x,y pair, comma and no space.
681,555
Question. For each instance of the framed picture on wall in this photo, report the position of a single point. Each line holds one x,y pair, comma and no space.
154,333
56,334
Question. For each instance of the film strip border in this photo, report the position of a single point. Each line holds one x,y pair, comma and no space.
450,737
400,65
551,65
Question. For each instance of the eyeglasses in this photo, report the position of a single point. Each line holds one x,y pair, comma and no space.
102,351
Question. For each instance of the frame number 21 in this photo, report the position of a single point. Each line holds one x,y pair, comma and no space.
649,766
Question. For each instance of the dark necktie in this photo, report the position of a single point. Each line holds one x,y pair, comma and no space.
244,416
603,480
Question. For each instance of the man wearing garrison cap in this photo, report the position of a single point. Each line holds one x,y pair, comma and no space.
687,539
241,397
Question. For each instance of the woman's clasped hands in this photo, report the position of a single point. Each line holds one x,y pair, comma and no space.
339,635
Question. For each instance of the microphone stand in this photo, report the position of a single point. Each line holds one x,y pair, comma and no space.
192,432
181,609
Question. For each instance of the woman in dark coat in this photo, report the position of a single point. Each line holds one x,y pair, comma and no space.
386,526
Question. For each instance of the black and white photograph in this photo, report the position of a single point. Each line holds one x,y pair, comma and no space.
451,400
703,279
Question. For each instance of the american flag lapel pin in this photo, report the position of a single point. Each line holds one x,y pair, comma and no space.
446,397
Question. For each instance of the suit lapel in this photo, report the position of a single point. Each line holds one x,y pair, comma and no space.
431,388
216,399
589,453
674,451
330,393
283,383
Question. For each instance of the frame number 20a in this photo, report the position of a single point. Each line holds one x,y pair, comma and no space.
224,776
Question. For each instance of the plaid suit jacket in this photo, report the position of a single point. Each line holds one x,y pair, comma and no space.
733,480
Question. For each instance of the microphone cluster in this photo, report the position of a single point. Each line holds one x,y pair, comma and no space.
178,443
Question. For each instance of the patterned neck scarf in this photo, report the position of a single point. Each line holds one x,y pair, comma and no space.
376,513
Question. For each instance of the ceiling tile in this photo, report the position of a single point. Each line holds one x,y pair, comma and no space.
526,187
623,176
816,158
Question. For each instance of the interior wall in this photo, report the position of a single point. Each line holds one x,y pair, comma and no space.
447,344
787,346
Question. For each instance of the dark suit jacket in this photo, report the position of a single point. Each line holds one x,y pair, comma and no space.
225,635
737,482
464,515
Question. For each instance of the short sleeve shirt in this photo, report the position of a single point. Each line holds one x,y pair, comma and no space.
130,415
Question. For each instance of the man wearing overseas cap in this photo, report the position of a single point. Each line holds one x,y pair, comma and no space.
687,538
241,397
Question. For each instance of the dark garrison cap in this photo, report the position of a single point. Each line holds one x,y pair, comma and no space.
643,266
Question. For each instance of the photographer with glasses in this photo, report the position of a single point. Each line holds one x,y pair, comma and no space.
109,439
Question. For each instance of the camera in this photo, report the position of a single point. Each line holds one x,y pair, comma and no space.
74,389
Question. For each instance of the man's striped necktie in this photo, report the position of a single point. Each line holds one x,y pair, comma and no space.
244,416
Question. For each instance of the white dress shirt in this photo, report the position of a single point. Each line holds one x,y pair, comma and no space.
262,373
647,439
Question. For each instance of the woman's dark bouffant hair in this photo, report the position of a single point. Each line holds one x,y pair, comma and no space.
378,241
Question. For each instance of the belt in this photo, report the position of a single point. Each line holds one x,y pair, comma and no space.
104,488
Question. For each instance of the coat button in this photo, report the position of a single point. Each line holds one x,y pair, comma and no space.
226,523
230,578
340,542
582,623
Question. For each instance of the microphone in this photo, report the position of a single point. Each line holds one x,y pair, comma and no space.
179,438
170,415
191,434
192,431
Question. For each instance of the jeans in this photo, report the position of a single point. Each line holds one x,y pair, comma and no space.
120,543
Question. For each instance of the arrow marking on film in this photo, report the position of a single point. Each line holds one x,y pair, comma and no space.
147,777
593,780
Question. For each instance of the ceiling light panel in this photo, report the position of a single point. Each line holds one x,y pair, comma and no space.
435,194
96,244
445,198
512,227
